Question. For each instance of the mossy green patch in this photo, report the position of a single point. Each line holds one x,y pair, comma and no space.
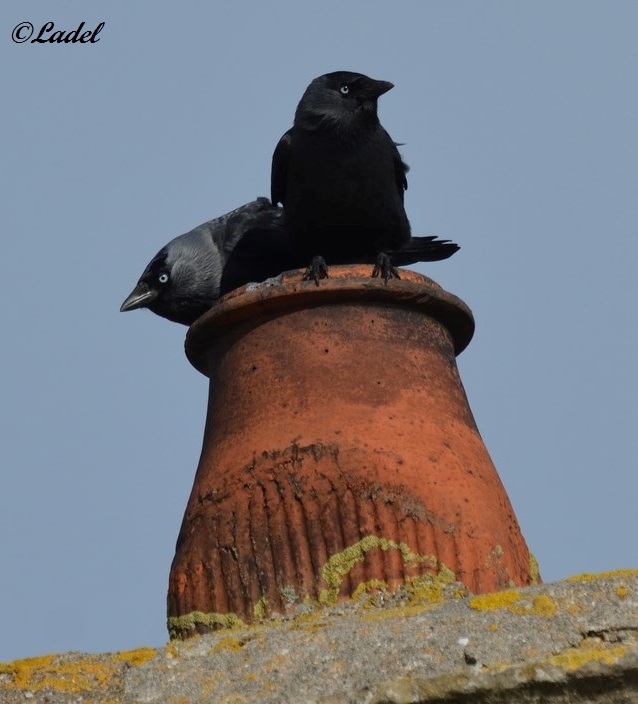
371,585
431,589
180,626
534,570
341,564
420,594
261,609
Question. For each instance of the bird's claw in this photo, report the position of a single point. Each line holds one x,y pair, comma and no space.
384,268
317,270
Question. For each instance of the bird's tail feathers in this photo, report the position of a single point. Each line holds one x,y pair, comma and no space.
423,249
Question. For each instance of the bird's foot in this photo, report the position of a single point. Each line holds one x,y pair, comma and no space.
384,268
317,270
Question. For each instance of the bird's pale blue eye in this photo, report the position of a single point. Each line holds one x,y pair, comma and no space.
344,90
163,278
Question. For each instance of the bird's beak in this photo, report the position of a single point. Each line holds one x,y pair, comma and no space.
373,89
139,297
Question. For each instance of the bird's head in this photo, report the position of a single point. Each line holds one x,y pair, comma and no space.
179,282
340,99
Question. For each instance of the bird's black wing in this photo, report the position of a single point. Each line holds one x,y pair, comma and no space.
400,168
279,171
227,229
261,253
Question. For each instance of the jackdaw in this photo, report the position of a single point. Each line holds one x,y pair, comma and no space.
340,177
184,278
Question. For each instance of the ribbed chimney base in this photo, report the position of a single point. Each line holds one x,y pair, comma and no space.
340,453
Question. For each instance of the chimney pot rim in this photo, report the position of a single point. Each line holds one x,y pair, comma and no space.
347,284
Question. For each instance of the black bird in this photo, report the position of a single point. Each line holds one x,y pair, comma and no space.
192,271
340,177
184,278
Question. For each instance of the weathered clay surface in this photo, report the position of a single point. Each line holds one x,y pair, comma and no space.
573,641
337,426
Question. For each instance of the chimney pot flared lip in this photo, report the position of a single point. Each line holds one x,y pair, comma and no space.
347,284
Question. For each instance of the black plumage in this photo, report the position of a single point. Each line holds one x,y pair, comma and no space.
339,174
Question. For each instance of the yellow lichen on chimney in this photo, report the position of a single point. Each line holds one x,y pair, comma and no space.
534,570
341,564
188,622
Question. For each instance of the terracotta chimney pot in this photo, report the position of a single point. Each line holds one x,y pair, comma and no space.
339,451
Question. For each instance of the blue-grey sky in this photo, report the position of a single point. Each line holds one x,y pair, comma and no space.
520,126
